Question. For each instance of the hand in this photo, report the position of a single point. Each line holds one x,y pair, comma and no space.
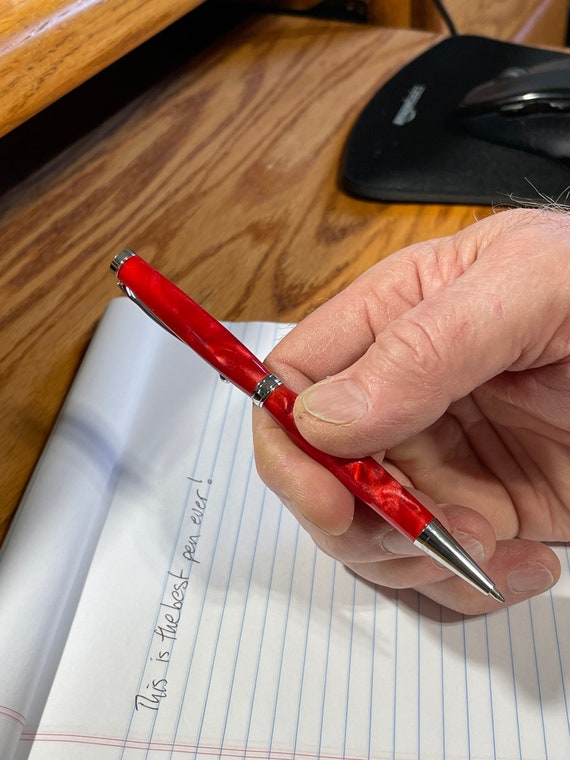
449,362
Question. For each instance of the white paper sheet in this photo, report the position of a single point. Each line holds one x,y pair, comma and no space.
208,624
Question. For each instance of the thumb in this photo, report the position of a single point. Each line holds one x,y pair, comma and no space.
419,363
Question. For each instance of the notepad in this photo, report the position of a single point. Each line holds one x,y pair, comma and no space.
157,601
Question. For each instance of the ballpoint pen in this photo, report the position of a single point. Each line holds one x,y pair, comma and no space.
365,478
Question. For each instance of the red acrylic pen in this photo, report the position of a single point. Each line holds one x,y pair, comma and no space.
365,478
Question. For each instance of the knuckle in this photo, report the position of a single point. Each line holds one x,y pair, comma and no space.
421,348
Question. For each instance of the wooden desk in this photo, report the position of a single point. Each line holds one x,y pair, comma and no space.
224,176
48,47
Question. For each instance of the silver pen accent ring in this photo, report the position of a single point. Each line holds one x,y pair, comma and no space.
264,389
120,259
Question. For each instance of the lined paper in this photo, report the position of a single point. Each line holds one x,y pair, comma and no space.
210,626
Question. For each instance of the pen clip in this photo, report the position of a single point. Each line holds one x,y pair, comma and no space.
128,292
116,264
135,299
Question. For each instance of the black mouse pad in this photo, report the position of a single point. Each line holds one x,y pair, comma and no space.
405,145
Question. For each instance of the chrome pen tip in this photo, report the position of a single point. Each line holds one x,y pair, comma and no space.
496,594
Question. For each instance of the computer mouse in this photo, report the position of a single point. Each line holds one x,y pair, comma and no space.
523,108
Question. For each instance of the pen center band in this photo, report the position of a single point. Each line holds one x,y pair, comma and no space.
264,389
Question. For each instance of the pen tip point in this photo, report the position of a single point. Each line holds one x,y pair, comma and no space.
496,594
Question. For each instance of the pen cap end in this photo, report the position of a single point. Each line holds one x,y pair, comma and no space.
120,259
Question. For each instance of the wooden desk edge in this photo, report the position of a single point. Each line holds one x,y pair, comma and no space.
49,48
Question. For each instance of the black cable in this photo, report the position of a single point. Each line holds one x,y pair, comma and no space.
448,21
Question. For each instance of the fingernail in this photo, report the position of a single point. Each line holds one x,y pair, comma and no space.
533,577
395,543
337,401
472,546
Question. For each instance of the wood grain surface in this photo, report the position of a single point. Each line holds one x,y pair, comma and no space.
48,47
224,175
